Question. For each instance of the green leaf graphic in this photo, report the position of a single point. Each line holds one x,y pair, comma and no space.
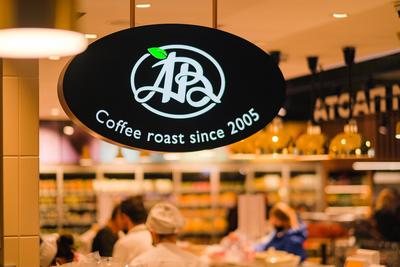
157,52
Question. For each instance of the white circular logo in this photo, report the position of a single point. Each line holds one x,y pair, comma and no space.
181,79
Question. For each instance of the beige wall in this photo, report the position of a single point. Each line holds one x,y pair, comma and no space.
20,160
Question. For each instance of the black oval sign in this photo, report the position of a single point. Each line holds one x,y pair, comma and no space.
172,88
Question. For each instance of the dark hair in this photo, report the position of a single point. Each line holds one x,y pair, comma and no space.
115,212
133,208
280,214
65,247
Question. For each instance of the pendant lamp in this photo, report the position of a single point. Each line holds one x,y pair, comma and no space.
39,29
273,139
349,141
119,158
312,142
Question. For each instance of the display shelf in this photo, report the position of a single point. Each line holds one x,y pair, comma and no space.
79,201
48,200
49,226
303,190
204,191
356,210
116,175
158,186
187,190
347,189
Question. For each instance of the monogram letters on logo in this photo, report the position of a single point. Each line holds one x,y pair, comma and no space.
180,87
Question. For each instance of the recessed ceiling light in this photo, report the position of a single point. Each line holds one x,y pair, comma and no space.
68,130
54,58
55,112
90,36
143,5
340,15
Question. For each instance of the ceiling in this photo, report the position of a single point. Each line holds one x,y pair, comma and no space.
297,28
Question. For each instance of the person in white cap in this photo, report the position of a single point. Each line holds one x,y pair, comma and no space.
165,222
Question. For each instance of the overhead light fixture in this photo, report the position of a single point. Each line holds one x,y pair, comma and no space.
313,141
119,158
39,29
90,36
54,58
85,159
274,139
172,156
348,142
143,5
340,15
282,112
68,130
55,112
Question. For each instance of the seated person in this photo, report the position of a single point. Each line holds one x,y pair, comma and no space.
387,215
288,235
165,222
106,238
138,238
57,250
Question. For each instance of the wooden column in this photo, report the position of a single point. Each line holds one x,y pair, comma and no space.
19,128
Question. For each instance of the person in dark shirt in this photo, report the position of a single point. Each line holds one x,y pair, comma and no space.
289,234
105,239
387,215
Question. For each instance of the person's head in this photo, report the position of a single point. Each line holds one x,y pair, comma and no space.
133,212
116,218
388,200
164,222
281,217
65,250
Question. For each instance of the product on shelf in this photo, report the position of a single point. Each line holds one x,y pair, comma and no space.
346,191
204,220
48,204
194,200
268,184
117,186
195,187
157,187
79,204
303,191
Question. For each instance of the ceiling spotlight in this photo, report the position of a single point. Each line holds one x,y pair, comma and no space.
382,130
54,57
143,5
340,15
55,112
282,112
90,36
68,130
